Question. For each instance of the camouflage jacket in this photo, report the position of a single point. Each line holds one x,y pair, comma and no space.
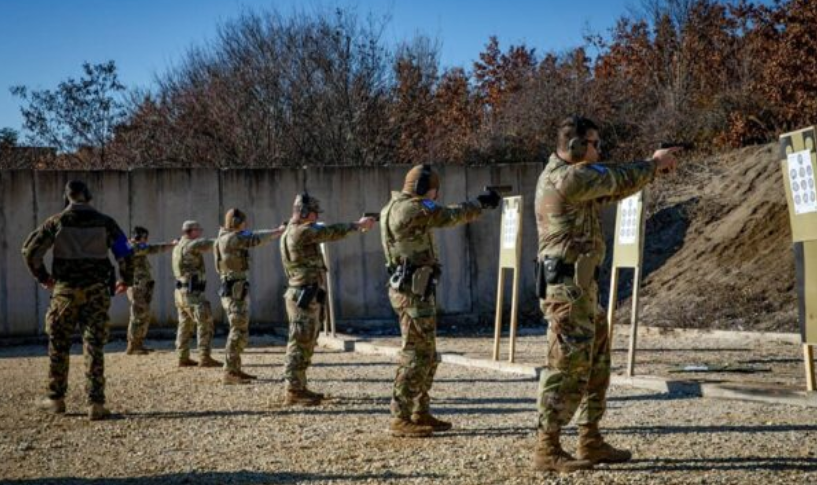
568,202
81,238
406,226
232,251
188,259
141,266
301,253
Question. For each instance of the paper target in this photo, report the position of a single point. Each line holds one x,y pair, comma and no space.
801,180
510,226
629,220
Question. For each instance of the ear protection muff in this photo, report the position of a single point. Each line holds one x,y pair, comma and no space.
577,147
423,181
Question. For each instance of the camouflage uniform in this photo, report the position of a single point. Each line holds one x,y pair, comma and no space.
304,266
233,264
191,303
81,238
141,293
407,221
569,198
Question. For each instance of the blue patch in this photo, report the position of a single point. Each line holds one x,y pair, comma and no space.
121,248
245,233
429,204
142,245
599,168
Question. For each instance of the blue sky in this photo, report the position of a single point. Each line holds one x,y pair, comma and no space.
46,41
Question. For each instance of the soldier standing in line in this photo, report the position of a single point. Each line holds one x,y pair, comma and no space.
305,298
411,259
191,302
569,195
233,265
141,293
81,282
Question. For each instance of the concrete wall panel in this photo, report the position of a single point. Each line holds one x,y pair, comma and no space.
18,290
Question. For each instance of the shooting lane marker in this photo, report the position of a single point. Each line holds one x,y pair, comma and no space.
510,257
799,163
628,252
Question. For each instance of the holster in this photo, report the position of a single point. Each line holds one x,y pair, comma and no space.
236,289
306,294
420,281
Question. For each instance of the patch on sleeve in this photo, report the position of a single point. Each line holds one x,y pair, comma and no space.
142,246
245,233
121,248
599,168
429,204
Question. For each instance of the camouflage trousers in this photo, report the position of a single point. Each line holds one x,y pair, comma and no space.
86,308
140,295
418,355
194,313
304,327
237,308
577,374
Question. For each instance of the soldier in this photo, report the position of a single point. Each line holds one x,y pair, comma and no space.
305,298
569,196
81,286
233,264
411,259
141,293
191,303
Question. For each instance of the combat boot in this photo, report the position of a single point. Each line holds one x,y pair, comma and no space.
231,378
316,395
187,362
136,349
97,412
301,398
549,456
245,375
404,428
207,361
426,419
52,406
593,448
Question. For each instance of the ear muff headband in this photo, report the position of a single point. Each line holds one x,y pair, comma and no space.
305,201
423,183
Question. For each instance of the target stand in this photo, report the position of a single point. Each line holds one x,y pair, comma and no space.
510,257
798,162
628,252
329,328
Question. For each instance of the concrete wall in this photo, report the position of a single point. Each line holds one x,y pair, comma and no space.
162,199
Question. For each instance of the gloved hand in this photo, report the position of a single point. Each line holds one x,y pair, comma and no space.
489,199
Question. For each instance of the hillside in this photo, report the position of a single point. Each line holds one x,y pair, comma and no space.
718,252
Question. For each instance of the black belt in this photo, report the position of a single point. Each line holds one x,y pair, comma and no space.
566,270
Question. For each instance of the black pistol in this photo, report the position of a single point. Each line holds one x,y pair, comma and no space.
373,215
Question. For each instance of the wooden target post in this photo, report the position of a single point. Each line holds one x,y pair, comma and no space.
329,328
798,162
510,257
628,249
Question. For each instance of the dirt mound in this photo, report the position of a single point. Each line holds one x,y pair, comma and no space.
718,252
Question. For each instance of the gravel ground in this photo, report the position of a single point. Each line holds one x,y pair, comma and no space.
773,363
182,426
